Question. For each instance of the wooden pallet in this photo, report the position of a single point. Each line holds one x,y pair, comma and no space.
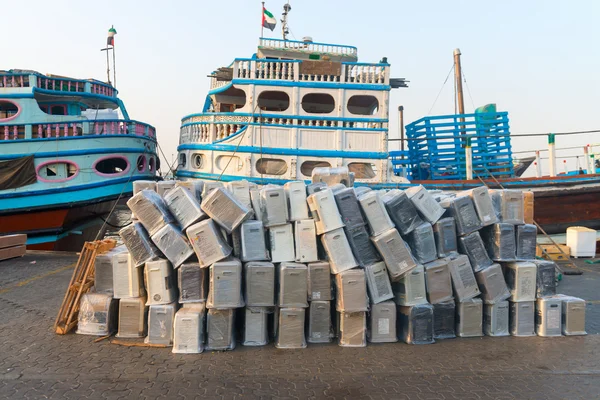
554,252
81,282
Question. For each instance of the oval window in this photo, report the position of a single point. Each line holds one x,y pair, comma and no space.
198,160
318,103
363,170
8,109
273,100
307,166
230,163
57,171
182,160
112,166
151,164
141,163
271,166
363,105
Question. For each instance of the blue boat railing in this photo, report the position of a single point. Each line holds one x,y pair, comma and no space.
55,84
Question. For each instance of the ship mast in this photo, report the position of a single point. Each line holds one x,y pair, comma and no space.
284,23
459,88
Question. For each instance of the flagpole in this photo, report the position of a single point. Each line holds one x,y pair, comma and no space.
114,68
262,18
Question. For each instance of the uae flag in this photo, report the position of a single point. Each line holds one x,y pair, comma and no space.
110,40
268,21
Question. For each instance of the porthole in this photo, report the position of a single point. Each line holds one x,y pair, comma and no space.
141,163
230,163
273,100
182,160
8,110
271,166
318,103
57,171
112,166
307,166
198,160
363,105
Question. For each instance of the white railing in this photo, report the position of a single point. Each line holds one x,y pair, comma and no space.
366,73
309,47
207,133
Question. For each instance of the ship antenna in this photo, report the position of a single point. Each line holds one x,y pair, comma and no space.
284,23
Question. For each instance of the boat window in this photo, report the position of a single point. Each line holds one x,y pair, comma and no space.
318,103
182,160
151,164
363,105
141,163
363,170
273,100
8,109
58,110
198,160
57,171
112,166
230,163
307,166
229,100
271,166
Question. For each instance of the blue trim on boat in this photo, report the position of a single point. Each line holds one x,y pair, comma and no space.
54,139
67,153
315,85
294,126
76,94
285,151
26,95
220,89
282,115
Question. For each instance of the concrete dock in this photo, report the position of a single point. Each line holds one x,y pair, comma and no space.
36,363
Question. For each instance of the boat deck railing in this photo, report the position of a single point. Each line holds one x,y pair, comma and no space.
308,47
15,132
58,85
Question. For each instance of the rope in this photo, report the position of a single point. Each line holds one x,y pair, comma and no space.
468,89
442,88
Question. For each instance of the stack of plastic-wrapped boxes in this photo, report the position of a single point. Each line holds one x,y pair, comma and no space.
206,265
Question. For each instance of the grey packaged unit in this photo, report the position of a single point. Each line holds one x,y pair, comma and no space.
319,322
463,211
395,254
402,211
236,242
446,242
188,330
352,329
492,285
306,241
361,245
378,283
158,276
290,328
225,284
241,191
128,278
274,206
429,209
438,282
209,186
463,278
295,193
293,285
319,282
105,265
332,176
338,187
573,315
133,317
192,281
219,329
546,278
138,242
375,213
422,243
160,324
495,319
195,187
259,284
253,245
520,277
151,210
338,250
184,206
361,189
526,242
522,318
313,188
207,242
548,316
410,289
225,209
382,323
499,240
282,243
162,187
472,245
97,314
173,244
351,291
255,326
256,204
324,211
482,200
509,206
469,318
349,208
138,186
444,320
415,324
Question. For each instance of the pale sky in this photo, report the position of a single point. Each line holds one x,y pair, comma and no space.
538,60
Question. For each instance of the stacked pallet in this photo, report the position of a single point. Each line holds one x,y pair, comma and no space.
12,246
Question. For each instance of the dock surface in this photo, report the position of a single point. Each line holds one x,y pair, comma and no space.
36,363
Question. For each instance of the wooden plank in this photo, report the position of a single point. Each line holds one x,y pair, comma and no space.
12,240
12,252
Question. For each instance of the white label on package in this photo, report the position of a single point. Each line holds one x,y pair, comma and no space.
316,295
383,326
553,318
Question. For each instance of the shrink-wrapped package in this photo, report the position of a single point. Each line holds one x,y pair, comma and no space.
351,291
424,203
422,243
225,284
224,209
138,242
444,320
313,188
207,242
361,245
241,191
259,284
138,186
128,278
160,324
306,241
520,277
402,211
295,193
495,319
492,285
349,209
446,242
395,254
133,317
209,186
105,266
319,282
293,285
438,281
173,244
546,278
282,243
472,245
192,281
352,329
410,289
548,316
219,329
378,283
256,203
499,241
462,209
338,250
415,324
184,206
463,278
512,208
382,323
159,280
332,176
469,318
290,328
319,322
97,314
255,326
526,242
274,206
573,315
195,187
252,242
522,318
482,200
188,330
162,187
375,213
324,211
151,210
